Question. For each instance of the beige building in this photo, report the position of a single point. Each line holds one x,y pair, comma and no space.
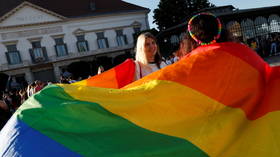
38,38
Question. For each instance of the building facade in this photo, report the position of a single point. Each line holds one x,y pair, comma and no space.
256,26
39,39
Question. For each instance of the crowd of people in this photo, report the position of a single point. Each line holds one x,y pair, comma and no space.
13,98
266,46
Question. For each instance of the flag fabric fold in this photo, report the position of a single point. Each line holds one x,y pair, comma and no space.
221,100
116,77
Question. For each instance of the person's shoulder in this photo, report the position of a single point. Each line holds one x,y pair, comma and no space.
137,63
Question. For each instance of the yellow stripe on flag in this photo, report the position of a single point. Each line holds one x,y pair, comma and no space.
176,110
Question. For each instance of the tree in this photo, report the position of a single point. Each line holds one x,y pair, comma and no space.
172,12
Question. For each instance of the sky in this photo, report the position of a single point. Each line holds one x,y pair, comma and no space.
241,4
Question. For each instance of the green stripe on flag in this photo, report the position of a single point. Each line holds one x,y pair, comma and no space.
90,130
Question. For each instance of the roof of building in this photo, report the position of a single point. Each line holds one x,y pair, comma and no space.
232,14
75,8
251,10
231,10
230,7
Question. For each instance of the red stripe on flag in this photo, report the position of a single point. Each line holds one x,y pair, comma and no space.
125,73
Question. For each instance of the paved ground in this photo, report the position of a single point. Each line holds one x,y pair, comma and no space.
273,60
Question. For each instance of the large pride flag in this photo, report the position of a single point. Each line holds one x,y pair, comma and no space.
116,77
222,100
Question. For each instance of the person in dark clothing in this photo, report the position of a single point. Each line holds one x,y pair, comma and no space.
5,113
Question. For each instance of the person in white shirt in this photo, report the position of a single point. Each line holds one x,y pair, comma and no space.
147,58
100,69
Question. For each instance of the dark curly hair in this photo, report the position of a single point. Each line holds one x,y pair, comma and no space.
205,28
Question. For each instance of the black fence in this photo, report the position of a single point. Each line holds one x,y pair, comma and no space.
261,33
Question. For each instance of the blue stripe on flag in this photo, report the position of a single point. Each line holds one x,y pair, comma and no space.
19,140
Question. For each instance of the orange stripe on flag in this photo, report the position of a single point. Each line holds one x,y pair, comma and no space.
223,77
116,77
106,80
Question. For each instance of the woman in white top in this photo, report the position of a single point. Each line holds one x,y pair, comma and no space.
147,58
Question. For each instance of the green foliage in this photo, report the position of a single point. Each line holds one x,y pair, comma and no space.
172,12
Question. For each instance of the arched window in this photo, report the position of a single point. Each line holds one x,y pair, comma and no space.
274,23
235,28
248,28
261,26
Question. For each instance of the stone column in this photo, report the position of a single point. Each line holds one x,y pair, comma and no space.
56,72
29,76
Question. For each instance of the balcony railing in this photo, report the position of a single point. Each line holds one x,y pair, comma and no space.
38,55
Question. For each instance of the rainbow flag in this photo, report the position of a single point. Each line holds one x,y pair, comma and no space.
116,77
222,100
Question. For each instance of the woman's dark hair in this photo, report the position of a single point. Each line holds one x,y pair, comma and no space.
205,28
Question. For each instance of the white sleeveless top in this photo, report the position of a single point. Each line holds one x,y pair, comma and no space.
142,70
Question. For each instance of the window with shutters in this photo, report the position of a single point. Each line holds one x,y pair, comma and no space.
121,38
82,44
13,56
102,41
60,47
